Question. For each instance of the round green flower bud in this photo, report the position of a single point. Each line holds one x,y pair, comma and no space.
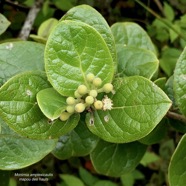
64,116
70,109
82,89
89,100
76,94
90,77
80,107
108,87
93,93
97,82
98,105
70,101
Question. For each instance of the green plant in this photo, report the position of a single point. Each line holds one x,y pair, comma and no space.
89,91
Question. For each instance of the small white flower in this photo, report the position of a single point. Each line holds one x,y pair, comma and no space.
107,103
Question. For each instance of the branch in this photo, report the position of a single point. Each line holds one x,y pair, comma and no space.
176,116
27,27
16,5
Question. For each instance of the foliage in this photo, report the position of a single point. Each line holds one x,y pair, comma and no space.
94,96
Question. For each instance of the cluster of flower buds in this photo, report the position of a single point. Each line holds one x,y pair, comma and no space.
85,97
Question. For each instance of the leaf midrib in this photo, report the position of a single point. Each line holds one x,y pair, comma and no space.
132,106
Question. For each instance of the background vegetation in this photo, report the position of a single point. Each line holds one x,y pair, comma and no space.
165,22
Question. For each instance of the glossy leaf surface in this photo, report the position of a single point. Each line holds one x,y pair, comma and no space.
79,142
138,106
90,16
51,103
131,34
177,170
20,56
136,61
73,50
17,152
179,83
19,108
116,159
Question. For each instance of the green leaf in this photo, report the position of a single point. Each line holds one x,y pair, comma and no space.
177,169
4,23
148,158
73,50
37,38
90,16
44,30
138,175
51,103
87,177
105,183
173,34
5,128
71,180
19,108
160,82
180,81
138,106
157,134
17,152
64,4
20,56
116,159
169,90
127,179
46,27
12,182
136,61
168,11
79,142
131,34
160,30
168,60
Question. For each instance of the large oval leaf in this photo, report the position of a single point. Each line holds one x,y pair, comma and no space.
179,82
131,34
19,108
17,152
139,105
20,56
136,61
51,103
79,142
90,16
116,159
177,169
73,50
